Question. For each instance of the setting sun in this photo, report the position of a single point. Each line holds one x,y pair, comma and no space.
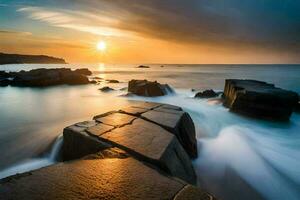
101,46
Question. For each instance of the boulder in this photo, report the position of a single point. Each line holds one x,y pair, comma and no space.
151,143
178,123
106,89
259,99
148,88
84,71
47,77
115,178
113,81
206,94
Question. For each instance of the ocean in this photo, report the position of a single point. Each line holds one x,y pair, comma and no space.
239,157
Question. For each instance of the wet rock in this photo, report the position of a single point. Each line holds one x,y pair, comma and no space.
113,81
259,99
77,143
115,119
143,66
93,82
177,122
84,71
47,77
151,143
4,75
4,82
206,94
134,110
106,89
190,192
148,88
96,179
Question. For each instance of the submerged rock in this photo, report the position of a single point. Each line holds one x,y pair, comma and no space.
206,94
148,88
113,81
143,66
259,99
48,77
106,89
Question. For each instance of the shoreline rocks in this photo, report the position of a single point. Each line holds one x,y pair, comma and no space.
148,88
123,154
106,89
207,94
46,77
259,99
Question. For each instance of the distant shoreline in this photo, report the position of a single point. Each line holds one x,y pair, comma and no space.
29,59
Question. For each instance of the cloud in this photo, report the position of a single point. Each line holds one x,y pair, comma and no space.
229,24
9,32
77,20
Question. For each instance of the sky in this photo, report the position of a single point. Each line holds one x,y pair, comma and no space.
154,31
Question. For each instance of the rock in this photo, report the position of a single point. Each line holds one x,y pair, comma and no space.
97,179
106,89
259,99
77,143
93,82
297,108
113,81
153,144
84,71
4,75
47,77
190,192
206,94
148,88
115,119
143,66
177,122
162,66
4,82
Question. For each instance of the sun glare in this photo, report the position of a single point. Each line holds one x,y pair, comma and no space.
101,46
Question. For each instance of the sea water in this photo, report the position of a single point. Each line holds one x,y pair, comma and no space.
239,157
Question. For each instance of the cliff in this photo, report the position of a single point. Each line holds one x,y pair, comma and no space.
30,59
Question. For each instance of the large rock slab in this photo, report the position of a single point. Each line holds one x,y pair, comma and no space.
148,88
259,99
92,179
151,143
177,122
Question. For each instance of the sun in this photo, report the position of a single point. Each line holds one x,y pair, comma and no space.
101,46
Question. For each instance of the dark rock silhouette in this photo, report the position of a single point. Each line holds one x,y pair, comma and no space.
148,88
143,66
31,59
84,71
206,94
46,77
106,89
259,99
113,81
